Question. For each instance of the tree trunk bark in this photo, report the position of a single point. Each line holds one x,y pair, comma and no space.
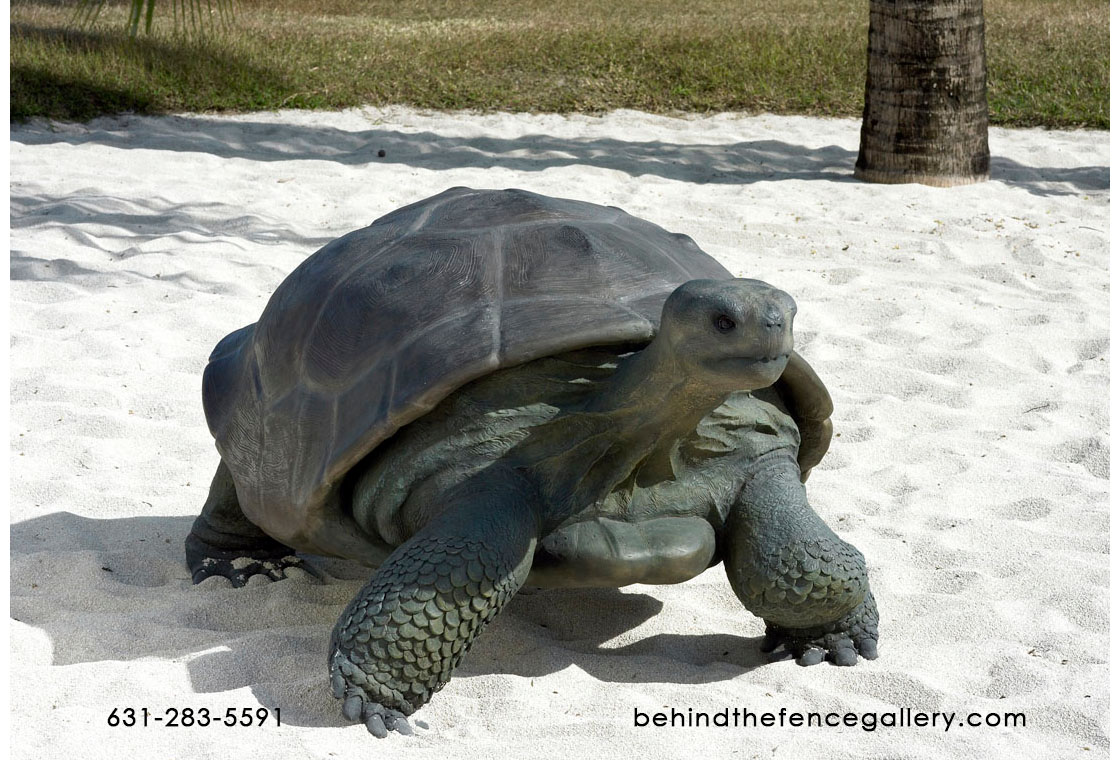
925,109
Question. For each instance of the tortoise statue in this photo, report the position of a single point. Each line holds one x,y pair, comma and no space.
487,389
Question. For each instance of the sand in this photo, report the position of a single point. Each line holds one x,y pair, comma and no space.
963,334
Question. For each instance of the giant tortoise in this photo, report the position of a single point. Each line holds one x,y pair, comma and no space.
487,389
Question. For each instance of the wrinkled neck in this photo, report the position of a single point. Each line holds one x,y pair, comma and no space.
651,390
625,431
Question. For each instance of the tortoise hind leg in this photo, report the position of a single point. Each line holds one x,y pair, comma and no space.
223,542
398,641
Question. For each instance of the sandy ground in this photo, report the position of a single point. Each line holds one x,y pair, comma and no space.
963,334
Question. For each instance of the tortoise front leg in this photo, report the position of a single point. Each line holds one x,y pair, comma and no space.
405,632
788,567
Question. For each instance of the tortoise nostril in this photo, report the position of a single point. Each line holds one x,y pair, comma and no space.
772,320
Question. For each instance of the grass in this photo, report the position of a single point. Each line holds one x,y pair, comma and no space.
1047,59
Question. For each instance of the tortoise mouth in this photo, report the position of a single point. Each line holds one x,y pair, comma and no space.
749,372
752,362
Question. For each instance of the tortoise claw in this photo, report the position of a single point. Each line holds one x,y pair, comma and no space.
239,565
240,569
842,642
811,656
381,721
357,707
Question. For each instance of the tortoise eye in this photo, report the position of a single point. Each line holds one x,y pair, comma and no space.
725,323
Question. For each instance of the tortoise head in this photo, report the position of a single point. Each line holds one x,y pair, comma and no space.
729,334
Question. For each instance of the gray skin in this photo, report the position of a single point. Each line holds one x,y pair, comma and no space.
608,465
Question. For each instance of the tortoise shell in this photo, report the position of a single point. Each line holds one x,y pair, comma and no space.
380,325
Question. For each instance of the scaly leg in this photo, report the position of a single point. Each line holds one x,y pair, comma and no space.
790,569
405,632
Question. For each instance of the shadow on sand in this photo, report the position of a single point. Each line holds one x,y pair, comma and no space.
119,590
125,227
733,163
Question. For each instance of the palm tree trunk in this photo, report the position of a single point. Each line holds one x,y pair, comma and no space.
925,110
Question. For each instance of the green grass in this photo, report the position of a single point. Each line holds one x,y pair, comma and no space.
1047,59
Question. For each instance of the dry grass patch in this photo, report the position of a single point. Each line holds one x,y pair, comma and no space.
1048,61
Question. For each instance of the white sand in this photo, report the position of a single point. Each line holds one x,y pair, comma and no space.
963,334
